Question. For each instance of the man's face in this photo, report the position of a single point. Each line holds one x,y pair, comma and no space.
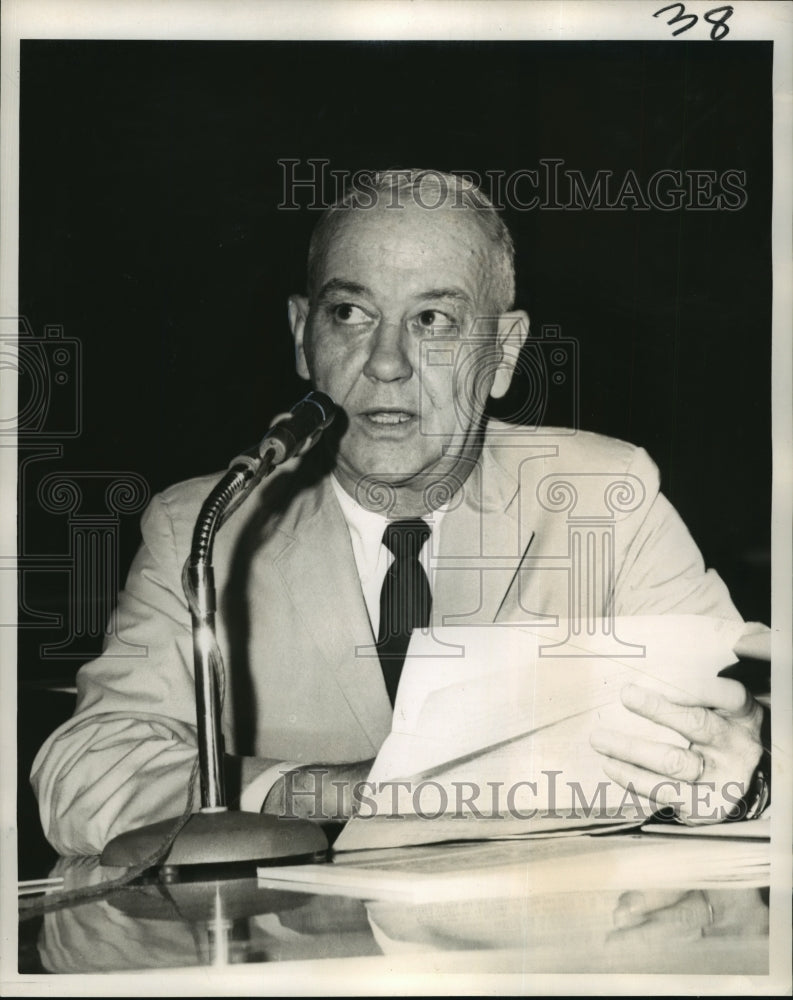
394,285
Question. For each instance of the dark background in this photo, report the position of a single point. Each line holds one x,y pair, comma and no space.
150,231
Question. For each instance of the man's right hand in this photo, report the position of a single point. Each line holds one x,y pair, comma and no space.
321,792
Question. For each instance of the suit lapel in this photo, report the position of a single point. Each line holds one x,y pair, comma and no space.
480,548
313,554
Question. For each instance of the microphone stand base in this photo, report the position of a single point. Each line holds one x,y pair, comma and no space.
212,838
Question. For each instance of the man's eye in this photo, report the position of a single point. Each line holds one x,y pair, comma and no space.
349,314
434,319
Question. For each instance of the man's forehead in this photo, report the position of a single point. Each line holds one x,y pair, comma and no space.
451,234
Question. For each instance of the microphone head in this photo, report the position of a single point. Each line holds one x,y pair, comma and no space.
300,430
325,404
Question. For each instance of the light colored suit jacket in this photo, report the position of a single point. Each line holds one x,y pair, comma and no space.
304,684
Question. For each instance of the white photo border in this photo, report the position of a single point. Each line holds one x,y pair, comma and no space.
390,20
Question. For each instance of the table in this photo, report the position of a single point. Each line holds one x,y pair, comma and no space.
621,903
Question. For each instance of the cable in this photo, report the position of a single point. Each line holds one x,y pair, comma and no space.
233,489
74,897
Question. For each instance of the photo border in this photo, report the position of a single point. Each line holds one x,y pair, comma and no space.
392,20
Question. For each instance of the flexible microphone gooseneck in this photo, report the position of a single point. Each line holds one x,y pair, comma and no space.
305,422
215,835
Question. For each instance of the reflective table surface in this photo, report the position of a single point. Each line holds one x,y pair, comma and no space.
527,907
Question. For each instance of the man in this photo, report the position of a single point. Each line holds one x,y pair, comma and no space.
408,324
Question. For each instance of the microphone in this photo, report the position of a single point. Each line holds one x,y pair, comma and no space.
304,424
216,834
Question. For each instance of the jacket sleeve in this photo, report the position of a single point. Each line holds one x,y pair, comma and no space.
124,759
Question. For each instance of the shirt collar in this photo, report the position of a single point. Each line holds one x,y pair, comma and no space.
366,529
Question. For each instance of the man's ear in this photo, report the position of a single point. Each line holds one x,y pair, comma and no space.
298,314
511,333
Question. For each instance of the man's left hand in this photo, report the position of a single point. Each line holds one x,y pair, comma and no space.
705,782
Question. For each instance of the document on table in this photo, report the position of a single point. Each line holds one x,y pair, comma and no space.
491,727
502,869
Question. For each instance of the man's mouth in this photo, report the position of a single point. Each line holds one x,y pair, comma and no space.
388,417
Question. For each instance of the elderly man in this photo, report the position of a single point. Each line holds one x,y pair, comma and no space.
417,512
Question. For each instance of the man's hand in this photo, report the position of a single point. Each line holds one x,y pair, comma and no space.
656,919
320,792
705,782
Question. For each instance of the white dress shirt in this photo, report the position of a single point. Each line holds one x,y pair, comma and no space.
372,558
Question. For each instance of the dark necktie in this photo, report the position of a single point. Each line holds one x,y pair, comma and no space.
405,600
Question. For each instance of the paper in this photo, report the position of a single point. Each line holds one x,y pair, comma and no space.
502,870
495,722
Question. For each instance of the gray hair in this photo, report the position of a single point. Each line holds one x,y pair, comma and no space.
429,189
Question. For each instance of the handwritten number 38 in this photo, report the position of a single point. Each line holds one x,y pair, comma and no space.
718,17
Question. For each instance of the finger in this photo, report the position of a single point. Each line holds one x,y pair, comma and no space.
658,789
755,642
687,918
726,695
694,804
660,758
697,723
722,693
634,907
736,700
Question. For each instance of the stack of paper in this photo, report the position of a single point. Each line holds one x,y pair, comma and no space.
506,869
491,729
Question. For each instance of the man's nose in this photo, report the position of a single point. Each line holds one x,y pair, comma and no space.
388,359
